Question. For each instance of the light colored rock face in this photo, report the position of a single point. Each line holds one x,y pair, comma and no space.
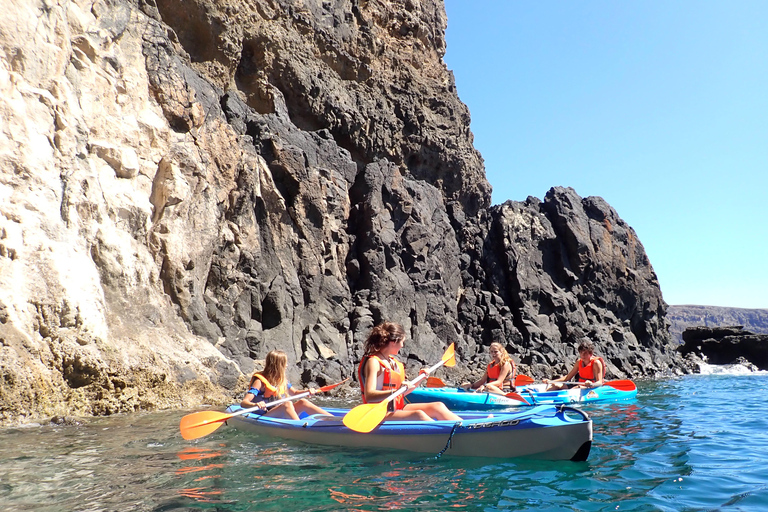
188,184
92,181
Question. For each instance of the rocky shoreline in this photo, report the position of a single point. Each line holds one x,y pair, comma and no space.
187,185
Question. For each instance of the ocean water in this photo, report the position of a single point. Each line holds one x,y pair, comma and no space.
697,443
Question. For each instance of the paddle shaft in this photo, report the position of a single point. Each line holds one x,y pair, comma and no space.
268,405
414,382
289,398
366,417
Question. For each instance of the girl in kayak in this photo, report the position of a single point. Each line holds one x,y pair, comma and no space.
499,375
380,375
589,369
270,384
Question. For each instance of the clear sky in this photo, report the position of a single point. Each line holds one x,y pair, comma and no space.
659,107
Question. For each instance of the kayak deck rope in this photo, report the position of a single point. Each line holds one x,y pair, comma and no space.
448,443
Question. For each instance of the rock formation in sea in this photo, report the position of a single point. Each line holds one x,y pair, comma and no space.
685,316
188,184
725,345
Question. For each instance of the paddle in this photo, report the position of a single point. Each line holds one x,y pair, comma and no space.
366,417
437,382
621,385
199,424
523,380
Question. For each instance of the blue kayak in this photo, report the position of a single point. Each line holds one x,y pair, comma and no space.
459,399
547,432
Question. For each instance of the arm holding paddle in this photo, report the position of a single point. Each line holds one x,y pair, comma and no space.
560,382
253,392
271,384
500,372
589,370
199,424
488,385
383,383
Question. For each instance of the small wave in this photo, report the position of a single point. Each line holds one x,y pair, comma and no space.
728,369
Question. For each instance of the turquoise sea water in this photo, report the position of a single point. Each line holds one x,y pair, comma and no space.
689,444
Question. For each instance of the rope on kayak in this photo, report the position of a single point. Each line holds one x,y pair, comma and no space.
448,444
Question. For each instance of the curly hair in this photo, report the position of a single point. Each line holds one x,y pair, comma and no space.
381,335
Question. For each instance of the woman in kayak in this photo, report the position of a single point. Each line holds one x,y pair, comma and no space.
589,369
499,376
270,384
380,375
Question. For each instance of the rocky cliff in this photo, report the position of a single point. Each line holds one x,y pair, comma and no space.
725,345
187,185
683,317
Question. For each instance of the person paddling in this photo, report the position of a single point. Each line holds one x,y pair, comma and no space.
380,375
499,376
589,369
270,384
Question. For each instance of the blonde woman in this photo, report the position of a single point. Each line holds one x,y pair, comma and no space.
270,384
499,374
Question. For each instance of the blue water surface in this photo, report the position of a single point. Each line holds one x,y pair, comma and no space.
697,443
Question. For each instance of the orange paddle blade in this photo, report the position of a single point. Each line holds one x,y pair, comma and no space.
365,417
331,386
523,380
199,424
435,382
517,396
621,385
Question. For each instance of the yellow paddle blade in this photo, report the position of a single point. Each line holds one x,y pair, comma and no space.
450,356
199,424
365,417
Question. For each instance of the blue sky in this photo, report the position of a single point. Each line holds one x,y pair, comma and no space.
659,107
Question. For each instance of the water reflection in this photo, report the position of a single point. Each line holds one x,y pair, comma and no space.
687,444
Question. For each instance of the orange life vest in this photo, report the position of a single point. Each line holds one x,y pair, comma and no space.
394,376
270,391
588,372
494,371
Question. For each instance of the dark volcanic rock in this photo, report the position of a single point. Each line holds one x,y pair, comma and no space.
371,204
726,345
548,274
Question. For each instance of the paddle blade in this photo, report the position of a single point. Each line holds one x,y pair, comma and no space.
331,386
621,385
365,417
199,424
435,382
450,356
523,380
518,397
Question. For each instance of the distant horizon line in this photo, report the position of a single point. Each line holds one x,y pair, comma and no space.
713,306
